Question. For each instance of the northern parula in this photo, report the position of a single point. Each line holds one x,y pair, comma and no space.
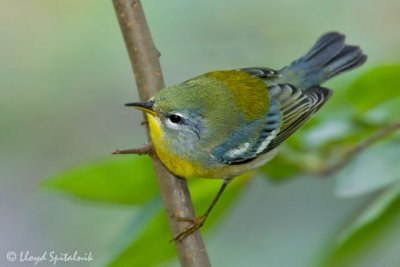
224,123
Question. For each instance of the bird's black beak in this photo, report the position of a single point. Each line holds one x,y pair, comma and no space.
143,106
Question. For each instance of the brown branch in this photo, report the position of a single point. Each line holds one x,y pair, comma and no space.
146,150
357,149
146,68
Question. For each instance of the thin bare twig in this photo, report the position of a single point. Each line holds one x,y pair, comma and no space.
146,67
357,149
146,150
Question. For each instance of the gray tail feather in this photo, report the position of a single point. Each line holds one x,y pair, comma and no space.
329,57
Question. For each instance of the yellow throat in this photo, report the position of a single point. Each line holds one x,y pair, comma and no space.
175,164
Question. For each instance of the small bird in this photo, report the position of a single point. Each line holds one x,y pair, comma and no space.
225,123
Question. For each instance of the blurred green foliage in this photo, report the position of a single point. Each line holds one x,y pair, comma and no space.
374,88
130,180
370,239
110,180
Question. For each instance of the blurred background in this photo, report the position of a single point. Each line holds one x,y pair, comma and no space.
65,75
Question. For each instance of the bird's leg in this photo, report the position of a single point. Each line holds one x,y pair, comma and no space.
147,149
200,220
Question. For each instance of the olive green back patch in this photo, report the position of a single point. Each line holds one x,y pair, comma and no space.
249,93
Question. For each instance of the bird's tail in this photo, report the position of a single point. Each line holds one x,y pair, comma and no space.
329,57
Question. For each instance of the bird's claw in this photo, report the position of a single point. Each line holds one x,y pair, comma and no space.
195,224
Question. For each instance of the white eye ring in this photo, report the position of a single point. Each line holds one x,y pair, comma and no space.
174,118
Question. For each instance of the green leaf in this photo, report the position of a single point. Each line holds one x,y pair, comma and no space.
152,246
375,87
371,239
371,213
373,169
120,179
383,114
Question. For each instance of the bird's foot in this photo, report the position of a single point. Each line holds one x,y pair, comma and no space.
195,224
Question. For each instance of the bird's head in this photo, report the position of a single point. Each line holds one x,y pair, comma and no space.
177,117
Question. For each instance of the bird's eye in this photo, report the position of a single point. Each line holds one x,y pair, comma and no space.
175,118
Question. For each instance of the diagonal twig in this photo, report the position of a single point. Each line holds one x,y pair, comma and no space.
357,149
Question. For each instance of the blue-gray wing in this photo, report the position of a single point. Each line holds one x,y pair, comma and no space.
250,139
290,108
296,106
